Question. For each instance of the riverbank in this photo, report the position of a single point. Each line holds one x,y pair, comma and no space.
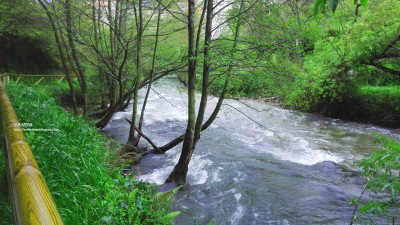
77,165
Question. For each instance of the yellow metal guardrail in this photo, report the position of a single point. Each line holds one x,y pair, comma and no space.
31,200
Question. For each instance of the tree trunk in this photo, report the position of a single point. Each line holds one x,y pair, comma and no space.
180,171
132,139
153,65
206,74
217,108
62,56
96,17
75,56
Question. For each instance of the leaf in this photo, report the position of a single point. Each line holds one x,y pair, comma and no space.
334,3
318,4
393,193
385,186
172,215
364,2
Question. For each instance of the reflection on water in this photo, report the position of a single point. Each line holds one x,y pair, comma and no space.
289,172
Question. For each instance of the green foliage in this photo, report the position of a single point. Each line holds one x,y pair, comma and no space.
389,95
372,32
379,104
61,92
319,65
25,38
16,17
320,5
30,55
131,204
73,159
5,208
325,79
335,72
381,172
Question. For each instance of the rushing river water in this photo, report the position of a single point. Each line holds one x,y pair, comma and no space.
293,169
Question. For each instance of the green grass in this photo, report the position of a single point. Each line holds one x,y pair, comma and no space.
381,104
61,92
382,94
74,161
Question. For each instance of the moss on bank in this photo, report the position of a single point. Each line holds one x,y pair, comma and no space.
74,160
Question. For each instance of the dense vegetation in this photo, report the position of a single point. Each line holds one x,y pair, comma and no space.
342,65
76,163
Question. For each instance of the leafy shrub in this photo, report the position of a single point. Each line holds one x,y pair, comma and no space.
381,172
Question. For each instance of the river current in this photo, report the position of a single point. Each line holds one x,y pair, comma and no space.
276,167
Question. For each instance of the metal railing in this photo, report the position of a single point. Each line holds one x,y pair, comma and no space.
31,200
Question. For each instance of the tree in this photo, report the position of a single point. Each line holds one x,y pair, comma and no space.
81,75
120,47
61,52
139,21
178,175
195,124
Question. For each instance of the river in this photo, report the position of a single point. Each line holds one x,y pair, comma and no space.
279,167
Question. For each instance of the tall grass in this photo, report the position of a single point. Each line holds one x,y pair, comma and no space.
73,159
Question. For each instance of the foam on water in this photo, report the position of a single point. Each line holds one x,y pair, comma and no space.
238,196
197,174
215,175
240,177
297,151
300,152
240,210
120,115
157,176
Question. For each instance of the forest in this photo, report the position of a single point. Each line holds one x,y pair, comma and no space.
248,106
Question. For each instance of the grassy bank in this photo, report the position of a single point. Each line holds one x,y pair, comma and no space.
74,160
375,104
